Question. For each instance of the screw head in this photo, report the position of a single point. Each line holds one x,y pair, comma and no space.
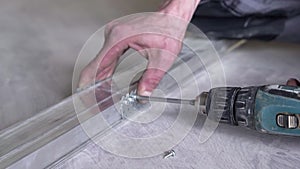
169,154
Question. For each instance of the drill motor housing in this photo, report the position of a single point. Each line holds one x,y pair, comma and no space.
273,109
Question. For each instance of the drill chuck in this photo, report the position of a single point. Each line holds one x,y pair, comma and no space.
232,105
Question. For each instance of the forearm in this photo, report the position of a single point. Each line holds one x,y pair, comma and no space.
181,8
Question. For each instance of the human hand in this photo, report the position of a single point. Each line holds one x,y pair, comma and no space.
293,82
157,36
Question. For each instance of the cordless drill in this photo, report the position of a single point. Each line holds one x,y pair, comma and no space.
273,109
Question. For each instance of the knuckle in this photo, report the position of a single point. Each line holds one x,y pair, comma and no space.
117,29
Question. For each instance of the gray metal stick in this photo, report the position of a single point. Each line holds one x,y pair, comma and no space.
168,100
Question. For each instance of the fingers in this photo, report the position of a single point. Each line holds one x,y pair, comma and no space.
87,74
293,82
149,81
104,64
111,52
107,71
159,63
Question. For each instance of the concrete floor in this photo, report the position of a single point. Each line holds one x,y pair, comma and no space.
39,43
229,147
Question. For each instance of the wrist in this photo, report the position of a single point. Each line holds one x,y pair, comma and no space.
180,8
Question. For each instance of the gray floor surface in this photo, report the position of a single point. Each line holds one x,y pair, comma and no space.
40,40
256,63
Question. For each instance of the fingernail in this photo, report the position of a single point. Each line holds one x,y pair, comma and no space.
145,93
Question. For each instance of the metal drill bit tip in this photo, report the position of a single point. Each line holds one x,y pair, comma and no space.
166,100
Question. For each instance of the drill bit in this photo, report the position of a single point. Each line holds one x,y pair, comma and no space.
168,100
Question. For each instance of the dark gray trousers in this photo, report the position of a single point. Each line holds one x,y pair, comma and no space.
249,19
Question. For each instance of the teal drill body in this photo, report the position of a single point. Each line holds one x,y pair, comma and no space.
277,110
273,109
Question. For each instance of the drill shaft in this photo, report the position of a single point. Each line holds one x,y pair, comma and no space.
167,100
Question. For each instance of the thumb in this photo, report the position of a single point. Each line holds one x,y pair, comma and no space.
158,65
